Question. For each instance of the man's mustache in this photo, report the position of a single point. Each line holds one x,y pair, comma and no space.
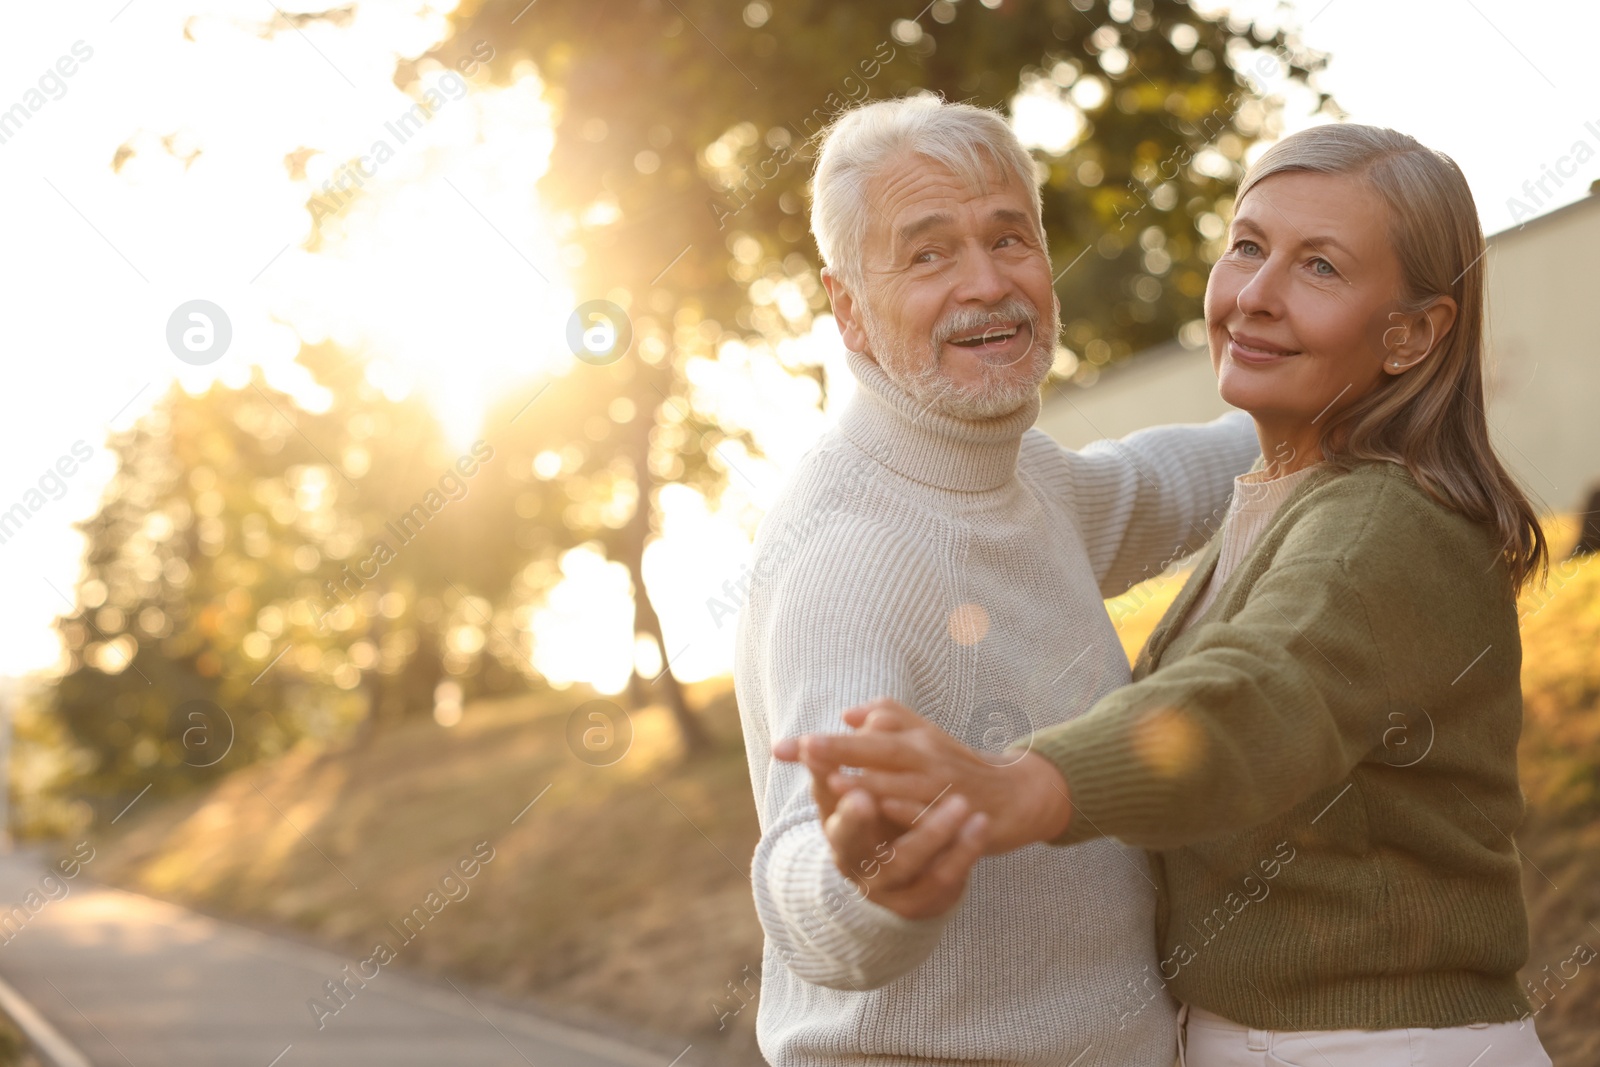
966,320
1001,318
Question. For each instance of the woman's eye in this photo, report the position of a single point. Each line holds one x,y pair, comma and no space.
1245,246
1322,268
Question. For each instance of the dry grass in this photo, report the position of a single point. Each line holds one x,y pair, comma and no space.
1560,761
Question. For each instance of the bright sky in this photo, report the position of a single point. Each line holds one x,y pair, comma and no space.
1505,88
438,274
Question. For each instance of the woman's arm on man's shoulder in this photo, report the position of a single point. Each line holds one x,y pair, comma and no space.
1145,500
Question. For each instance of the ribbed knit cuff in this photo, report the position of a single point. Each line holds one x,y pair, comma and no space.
1112,790
862,942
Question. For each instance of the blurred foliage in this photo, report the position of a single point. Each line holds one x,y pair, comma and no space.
684,132
235,557
678,181
233,562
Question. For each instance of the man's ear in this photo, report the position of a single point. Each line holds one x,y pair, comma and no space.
845,312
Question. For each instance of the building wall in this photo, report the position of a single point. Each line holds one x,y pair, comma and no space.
1168,383
1544,326
1544,365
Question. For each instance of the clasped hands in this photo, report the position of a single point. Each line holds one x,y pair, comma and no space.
908,810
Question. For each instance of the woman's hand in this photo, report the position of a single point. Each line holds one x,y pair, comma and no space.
909,764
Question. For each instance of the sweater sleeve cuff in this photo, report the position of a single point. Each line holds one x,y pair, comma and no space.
871,944
1113,788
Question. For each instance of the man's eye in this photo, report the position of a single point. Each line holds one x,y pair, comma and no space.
925,256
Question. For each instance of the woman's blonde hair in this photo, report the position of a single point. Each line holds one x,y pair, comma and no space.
1431,418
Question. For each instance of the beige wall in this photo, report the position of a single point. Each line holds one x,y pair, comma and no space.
1544,326
1169,383
1544,387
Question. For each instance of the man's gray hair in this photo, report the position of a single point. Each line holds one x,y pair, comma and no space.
859,143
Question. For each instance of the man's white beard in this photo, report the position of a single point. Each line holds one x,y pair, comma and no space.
1000,391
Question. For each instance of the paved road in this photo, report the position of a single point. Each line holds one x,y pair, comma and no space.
136,981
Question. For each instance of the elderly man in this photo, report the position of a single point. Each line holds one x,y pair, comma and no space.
934,549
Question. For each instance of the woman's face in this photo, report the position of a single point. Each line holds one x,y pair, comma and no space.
1302,308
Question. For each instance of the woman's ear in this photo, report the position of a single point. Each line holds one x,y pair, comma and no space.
1414,337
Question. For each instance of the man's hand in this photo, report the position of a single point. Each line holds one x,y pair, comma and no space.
908,763
916,867
921,873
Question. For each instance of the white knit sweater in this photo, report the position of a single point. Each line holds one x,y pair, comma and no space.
958,566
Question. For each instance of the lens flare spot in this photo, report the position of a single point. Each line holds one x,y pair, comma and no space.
968,624
1168,741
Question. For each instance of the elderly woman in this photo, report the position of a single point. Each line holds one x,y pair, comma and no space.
1319,744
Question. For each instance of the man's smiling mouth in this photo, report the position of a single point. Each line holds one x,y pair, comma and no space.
990,335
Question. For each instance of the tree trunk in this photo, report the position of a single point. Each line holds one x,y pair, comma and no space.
665,686
422,674
1589,527
376,685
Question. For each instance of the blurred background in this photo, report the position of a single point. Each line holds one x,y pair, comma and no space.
393,391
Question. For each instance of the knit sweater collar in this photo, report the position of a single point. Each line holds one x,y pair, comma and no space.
1259,493
1168,627
967,455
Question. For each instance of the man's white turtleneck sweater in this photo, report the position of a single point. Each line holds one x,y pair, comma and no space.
959,567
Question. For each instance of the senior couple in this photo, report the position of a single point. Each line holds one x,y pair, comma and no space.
1283,838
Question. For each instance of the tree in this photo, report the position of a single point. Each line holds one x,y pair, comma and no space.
191,565
681,158
258,573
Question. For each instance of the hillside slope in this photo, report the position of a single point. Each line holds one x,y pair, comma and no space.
618,896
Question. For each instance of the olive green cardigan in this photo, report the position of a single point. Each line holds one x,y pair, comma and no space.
1325,765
